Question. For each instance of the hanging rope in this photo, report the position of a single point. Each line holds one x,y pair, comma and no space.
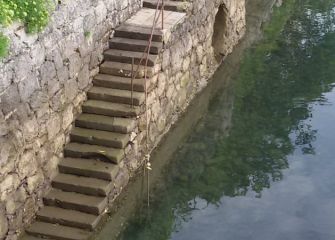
147,167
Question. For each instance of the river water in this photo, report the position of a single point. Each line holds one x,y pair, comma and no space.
254,155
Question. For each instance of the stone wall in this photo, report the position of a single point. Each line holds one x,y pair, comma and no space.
187,63
42,86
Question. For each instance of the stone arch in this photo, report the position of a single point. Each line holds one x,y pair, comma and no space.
220,32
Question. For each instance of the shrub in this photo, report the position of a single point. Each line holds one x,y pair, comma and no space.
4,43
34,14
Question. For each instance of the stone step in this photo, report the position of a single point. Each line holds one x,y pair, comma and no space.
116,95
135,45
76,201
68,217
110,109
105,123
79,150
30,237
138,32
98,137
125,69
123,56
88,168
176,6
59,232
116,82
84,185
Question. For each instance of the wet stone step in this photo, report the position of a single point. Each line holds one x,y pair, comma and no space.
105,123
176,6
127,56
88,168
98,137
135,45
126,69
115,95
30,237
110,109
137,32
84,185
59,232
123,83
76,201
68,217
80,150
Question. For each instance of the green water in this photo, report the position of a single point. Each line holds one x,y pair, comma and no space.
258,160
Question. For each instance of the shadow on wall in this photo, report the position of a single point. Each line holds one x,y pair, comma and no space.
219,33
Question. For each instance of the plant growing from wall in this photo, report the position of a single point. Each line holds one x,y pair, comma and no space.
33,14
4,42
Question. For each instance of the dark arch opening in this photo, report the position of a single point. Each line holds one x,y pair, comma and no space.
219,33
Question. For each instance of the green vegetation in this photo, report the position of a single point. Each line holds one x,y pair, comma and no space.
34,14
4,42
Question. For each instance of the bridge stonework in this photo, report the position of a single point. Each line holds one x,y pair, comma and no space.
47,77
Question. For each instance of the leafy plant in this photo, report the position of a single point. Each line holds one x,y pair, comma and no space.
4,43
33,14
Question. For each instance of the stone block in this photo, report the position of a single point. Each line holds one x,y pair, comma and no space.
3,223
9,184
27,165
50,168
48,72
9,100
22,67
83,77
74,65
6,73
161,83
53,126
71,89
58,101
34,181
30,129
37,53
67,117
100,12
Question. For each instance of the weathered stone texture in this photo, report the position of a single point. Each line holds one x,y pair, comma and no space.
190,60
42,86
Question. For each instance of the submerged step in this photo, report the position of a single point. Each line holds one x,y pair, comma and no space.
127,56
126,69
115,95
98,137
89,168
76,201
68,217
137,32
135,45
80,150
80,184
59,232
110,109
176,6
105,123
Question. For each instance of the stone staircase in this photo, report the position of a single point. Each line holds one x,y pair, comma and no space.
79,195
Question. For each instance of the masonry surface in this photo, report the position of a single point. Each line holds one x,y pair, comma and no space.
52,120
